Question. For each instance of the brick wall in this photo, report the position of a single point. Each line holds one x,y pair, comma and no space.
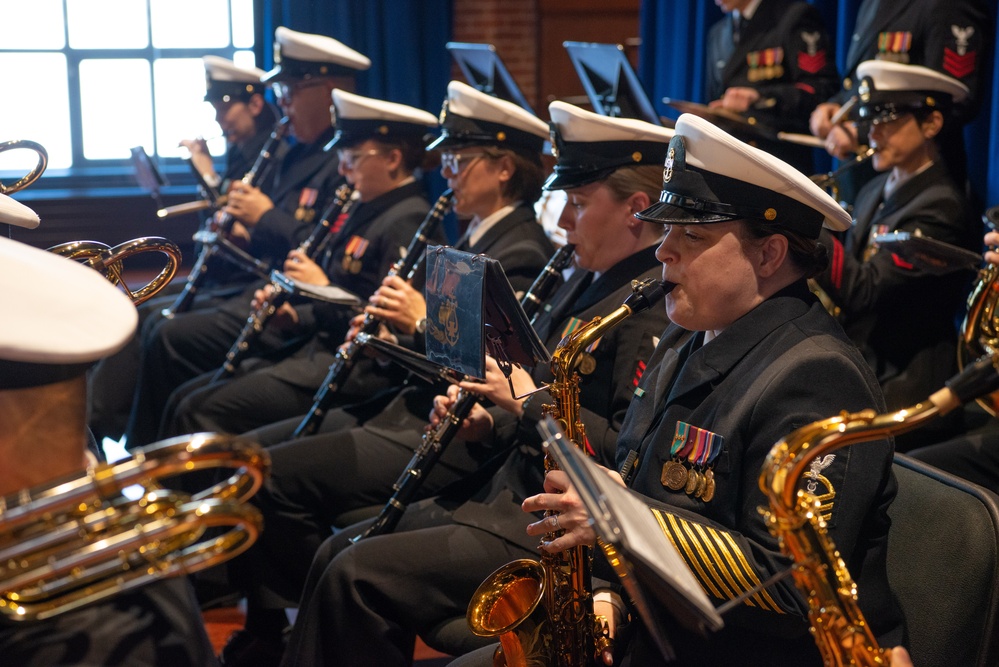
509,25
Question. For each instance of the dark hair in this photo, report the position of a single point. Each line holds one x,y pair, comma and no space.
807,254
413,153
528,175
268,116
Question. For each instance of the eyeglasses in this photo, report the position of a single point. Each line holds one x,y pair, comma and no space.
350,159
285,91
452,161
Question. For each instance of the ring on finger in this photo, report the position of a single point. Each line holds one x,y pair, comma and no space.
555,524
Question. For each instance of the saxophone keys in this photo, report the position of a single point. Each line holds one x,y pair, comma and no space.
674,475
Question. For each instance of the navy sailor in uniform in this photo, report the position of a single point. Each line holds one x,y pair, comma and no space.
272,219
912,350
610,170
750,356
64,317
380,148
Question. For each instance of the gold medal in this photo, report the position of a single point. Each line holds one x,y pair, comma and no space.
702,484
693,478
308,214
674,475
709,489
299,213
345,264
355,266
587,364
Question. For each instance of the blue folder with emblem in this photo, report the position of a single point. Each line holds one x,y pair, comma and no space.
472,310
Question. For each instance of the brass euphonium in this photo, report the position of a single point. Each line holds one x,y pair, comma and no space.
505,605
78,539
979,333
36,171
109,260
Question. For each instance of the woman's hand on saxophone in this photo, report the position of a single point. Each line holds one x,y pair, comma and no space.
992,247
567,517
899,657
477,427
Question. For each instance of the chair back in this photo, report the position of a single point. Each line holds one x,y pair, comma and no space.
943,565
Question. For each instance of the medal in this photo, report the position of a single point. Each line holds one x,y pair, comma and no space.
355,265
693,479
674,475
299,213
709,489
587,364
702,484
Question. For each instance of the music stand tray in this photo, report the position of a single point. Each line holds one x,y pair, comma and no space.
610,82
484,70
146,173
930,255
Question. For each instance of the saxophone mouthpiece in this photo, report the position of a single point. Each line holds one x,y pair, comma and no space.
647,293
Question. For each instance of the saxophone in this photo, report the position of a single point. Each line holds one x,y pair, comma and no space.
837,623
542,612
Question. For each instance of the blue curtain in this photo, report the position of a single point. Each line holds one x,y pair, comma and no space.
403,38
671,64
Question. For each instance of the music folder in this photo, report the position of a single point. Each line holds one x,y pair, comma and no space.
930,255
472,309
147,174
484,70
644,559
610,82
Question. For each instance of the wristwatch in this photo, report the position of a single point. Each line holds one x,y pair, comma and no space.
421,325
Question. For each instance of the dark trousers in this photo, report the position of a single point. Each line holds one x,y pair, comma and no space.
365,603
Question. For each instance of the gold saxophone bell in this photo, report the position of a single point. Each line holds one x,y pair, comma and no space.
35,173
109,260
79,540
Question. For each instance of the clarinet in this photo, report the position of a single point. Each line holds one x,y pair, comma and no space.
213,241
434,441
258,317
347,354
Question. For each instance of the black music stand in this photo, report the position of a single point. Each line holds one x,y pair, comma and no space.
610,82
485,71
472,310
645,560
147,174
930,255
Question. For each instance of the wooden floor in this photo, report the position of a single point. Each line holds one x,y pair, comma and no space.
222,622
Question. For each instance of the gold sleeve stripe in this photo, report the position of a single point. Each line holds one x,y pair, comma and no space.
684,549
719,564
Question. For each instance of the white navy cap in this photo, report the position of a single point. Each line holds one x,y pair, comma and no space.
62,317
359,118
225,81
302,55
473,118
710,176
13,212
589,147
888,90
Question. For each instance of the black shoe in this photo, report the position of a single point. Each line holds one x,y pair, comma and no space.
245,649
